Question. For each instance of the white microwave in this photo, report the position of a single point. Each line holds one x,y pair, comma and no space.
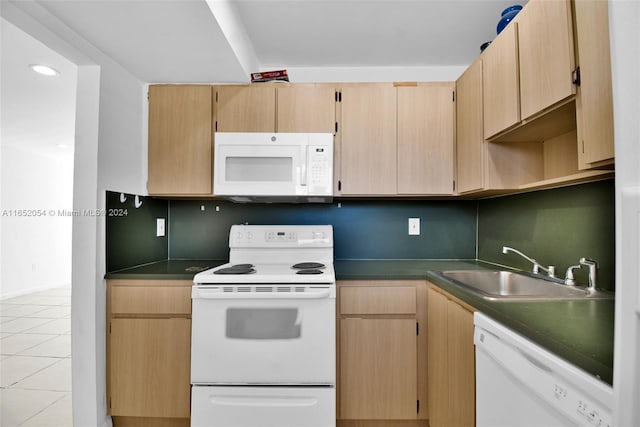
273,167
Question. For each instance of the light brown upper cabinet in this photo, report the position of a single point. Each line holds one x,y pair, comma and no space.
306,108
426,117
545,43
245,108
470,151
500,87
546,121
368,140
270,108
396,140
529,65
594,102
180,140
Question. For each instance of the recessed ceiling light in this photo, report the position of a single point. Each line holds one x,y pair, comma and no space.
44,70
62,146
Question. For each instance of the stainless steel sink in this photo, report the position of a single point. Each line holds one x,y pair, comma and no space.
509,285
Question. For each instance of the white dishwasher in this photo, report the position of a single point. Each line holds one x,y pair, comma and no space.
518,383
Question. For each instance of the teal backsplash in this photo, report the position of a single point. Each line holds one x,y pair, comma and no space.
131,232
556,227
362,229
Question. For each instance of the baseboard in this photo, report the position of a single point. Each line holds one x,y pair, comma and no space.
32,290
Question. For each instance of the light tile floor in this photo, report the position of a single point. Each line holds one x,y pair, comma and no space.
35,359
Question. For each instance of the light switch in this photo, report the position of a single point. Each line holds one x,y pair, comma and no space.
414,226
159,227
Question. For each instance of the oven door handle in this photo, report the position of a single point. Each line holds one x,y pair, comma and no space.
265,402
203,293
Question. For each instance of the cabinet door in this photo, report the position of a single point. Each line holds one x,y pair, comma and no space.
461,366
425,139
180,134
545,43
245,109
368,152
378,368
594,101
470,141
149,371
306,109
437,362
500,87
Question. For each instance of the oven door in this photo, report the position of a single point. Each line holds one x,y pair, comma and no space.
263,338
263,406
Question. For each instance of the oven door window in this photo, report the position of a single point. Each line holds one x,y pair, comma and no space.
263,323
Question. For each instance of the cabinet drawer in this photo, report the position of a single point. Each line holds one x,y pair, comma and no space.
378,300
151,300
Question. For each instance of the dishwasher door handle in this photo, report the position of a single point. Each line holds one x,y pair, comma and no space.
535,362
510,357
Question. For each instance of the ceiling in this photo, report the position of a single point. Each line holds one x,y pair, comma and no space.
38,112
223,41
199,40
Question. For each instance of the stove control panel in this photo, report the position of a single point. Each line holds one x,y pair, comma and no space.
245,236
281,236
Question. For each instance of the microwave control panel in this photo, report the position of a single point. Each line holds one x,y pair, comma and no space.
320,167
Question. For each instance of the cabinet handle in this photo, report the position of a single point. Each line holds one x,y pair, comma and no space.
575,76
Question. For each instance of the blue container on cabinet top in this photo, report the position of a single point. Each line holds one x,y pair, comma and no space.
516,7
507,16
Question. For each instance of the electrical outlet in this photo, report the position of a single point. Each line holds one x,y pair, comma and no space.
159,227
414,226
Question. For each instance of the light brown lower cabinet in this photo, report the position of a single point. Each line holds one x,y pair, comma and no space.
381,354
149,352
451,361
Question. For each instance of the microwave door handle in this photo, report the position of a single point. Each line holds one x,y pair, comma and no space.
303,167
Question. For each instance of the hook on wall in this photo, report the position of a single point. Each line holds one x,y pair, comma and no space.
123,198
137,202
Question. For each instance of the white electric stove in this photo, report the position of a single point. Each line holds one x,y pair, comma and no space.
263,331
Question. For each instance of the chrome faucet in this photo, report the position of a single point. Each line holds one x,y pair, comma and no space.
593,266
551,270
568,277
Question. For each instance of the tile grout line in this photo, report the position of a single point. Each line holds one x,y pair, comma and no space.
58,304
44,409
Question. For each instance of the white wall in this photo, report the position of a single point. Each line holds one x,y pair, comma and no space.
624,19
36,239
110,154
374,74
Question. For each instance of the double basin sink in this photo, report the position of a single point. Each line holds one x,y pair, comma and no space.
516,286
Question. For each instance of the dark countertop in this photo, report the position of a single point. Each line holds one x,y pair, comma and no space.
406,269
172,269
580,332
